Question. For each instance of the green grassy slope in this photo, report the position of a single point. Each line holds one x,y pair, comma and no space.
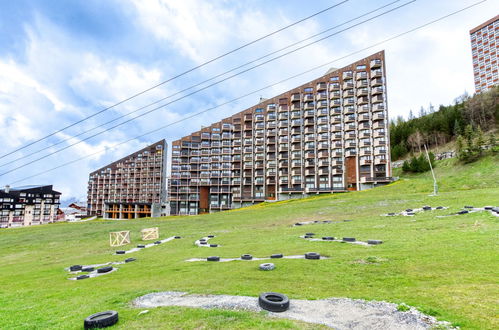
446,267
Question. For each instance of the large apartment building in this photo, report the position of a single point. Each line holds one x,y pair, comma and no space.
29,205
484,48
132,187
329,135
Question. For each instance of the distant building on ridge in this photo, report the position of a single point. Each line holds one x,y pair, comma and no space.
484,48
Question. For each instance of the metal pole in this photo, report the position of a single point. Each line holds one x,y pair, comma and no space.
435,186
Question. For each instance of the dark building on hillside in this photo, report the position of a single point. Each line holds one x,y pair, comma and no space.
29,205
328,135
132,187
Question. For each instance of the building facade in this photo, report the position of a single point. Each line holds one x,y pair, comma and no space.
132,187
29,205
329,135
484,48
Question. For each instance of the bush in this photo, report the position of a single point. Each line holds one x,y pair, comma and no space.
419,164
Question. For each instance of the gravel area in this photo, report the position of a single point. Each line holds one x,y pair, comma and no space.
412,212
206,239
336,240
94,274
146,246
492,210
338,313
318,222
254,258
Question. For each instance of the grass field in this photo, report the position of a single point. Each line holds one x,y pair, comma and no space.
446,267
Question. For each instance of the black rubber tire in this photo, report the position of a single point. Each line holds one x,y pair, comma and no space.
391,214
101,320
312,255
213,245
267,266
141,246
348,239
298,224
488,208
120,252
81,277
177,237
88,269
328,238
374,242
75,268
309,234
463,212
410,213
439,207
202,239
327,221
130,260
246,257
273,302
468,207
426,208
316,221
347,220
210,236
495,209
408,210
276,256
213,258
106,269
158,242
203,242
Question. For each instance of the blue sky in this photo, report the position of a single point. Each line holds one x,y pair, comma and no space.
62,61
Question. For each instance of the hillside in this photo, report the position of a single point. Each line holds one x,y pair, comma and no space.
445,267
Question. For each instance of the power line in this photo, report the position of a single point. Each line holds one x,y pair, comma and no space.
175,77
204,88
259,90
200,83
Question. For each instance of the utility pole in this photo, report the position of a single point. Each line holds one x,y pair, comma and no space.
435,186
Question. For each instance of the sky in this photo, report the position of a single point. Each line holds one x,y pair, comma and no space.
62,63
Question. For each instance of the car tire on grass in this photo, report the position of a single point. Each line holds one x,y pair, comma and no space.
105,269
120,252
101,320
276,256
273,302
246,257
88,269
267,266
213,258
75,268
130,260
82,277
312,256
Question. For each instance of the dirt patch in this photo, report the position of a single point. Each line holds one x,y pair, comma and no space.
338,313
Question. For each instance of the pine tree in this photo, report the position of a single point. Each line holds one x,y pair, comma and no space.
480,141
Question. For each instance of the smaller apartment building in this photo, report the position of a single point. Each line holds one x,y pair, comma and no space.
29,205
132,187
